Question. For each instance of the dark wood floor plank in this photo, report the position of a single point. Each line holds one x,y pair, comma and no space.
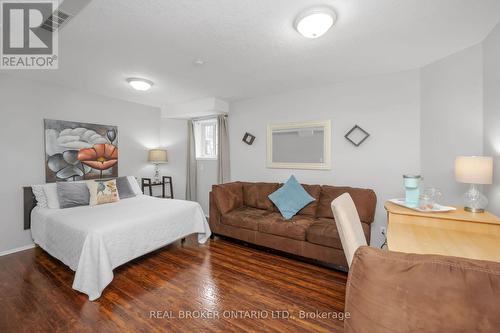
220,276
282,282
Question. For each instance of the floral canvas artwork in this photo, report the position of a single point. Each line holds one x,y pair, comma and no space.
79,151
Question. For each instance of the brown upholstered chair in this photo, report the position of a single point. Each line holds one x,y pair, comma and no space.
403,293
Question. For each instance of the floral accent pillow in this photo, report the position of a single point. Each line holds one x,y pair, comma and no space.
102,192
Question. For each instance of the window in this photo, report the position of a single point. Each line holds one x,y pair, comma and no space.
205,133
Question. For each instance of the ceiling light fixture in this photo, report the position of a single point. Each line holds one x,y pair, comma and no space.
315,22
140,84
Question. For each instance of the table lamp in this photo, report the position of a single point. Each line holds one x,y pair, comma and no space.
157,157
474,170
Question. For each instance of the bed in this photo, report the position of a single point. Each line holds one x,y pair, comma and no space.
93,241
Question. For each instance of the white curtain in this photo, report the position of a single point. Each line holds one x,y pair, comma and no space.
191,186
223,174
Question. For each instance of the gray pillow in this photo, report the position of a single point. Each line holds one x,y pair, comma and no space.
72,194
124,189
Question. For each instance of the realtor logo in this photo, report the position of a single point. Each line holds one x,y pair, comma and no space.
28,38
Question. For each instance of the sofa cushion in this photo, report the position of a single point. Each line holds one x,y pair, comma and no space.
228,196
244,217
364,199
324,232
315,192
256,195
290,198
275,224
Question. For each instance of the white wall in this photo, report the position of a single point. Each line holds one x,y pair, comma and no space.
173,137
451,118
491,50
24,105
387,107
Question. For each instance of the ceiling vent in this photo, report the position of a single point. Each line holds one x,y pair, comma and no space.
65,12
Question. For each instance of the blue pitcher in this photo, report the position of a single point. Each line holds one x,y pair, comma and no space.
412,190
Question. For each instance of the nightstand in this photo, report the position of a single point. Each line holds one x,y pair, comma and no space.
166,180
457,233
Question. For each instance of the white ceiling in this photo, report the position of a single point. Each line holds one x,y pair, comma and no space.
250,46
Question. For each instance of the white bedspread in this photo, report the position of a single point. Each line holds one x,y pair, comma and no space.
94,240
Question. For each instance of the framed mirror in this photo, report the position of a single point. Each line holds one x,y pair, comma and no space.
305,145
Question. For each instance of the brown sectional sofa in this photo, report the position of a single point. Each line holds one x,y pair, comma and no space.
242,210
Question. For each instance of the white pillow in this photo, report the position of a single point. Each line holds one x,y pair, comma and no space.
134,185
51,195
39,193
46,195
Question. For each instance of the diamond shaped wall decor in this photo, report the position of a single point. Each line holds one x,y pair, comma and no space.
357,135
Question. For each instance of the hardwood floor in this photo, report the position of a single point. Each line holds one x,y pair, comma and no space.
222,278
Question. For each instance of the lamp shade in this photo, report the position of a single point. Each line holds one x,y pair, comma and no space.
157,156
474,169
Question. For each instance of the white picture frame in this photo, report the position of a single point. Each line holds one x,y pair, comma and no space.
323,162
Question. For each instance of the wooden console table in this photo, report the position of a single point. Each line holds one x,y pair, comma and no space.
458,233
166,180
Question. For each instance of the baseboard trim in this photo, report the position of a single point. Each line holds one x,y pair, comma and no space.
17,249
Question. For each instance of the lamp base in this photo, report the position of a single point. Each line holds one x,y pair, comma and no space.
475,201
474,210
156,177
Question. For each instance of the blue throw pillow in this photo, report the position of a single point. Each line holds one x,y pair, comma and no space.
290,198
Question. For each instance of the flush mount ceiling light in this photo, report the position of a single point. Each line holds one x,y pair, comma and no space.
315,22
139,84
